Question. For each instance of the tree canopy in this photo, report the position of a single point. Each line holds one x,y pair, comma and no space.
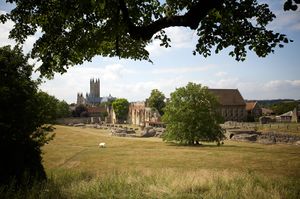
53,108
23,114
157,100
121,107
191,116
73,31
80,111
283,107
62,109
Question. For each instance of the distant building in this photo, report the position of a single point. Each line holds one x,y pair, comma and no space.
96,111
286,117
80,99
233,106
267,119
253,109
93,98
267,112
141,115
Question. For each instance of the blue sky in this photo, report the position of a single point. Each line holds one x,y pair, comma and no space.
276,76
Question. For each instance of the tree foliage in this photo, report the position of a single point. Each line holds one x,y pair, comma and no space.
80,111
22,117
291,5
53,108
62,109
121,107
73,31
283,107
191,115
157,100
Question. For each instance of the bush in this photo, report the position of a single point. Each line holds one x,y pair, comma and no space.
22,119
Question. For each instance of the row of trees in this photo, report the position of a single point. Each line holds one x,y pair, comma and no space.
283,107
54,108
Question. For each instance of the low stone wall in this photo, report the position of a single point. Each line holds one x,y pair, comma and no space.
263,138
73,120
280,138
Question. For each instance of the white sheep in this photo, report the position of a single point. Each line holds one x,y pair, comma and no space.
102,145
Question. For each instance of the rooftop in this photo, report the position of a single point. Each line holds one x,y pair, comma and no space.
228,97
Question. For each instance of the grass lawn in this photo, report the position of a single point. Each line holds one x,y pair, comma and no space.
167,170
77,148
150,168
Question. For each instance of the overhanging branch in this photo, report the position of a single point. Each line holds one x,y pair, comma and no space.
191,19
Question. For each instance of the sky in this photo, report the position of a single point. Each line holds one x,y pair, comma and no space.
275,77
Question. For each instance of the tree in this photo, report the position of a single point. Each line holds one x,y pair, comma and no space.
157,100
191,116
62,109
53,107
283,107
120,107
49,110
73,31
80,111
22,119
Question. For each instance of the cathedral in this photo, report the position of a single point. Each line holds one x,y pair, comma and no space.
93,97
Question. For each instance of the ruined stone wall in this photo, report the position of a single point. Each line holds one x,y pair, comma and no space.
73,120
136,113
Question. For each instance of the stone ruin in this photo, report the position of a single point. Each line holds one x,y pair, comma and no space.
263,138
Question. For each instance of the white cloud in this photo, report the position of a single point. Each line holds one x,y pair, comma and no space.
221,74
114,72
273,89
229,82
286,20
155,49
282,84
180,70
67,85
4,40
181,38
4,29
122,82
141,90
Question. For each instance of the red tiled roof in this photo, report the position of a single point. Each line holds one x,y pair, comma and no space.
96,109
250,105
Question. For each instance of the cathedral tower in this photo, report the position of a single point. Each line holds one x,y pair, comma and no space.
95,88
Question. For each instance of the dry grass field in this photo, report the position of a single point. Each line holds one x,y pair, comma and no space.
150,168
77,149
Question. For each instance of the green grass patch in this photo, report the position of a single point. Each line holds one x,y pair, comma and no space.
150,168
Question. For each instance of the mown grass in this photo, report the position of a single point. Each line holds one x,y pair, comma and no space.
150,168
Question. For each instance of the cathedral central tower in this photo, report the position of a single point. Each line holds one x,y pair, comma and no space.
95,88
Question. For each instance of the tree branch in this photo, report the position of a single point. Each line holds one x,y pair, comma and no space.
191,19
